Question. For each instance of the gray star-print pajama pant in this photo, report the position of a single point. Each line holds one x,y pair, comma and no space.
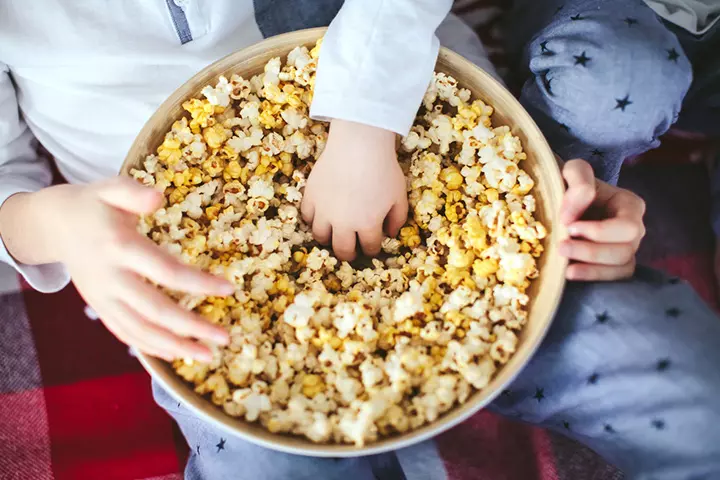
632,368
605,78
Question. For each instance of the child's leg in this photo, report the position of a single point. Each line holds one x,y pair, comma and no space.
631,369
605,78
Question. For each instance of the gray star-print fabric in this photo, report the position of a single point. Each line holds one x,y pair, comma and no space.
281,16
630,369
604,79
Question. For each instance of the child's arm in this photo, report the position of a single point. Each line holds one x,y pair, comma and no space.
91,230
22,170
375,64
377,60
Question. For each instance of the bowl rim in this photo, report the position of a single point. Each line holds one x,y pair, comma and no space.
161,372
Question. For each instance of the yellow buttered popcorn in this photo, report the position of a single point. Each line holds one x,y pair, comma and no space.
215,136
201,112
315,341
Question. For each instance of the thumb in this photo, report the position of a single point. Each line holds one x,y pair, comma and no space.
581,190
126,194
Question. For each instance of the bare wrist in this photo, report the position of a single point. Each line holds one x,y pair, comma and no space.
361,131
26,226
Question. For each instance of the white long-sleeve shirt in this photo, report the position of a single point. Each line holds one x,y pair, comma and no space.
695,16
83,77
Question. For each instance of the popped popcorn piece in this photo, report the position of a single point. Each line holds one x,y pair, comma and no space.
220,94
252,403
299,312
408,304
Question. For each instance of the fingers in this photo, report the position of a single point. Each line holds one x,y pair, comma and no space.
307,210
116,327
321,228
397,217
147,259
160,310
612,230
371,240
132,329
597,253
322,231
126,194
600,273
581,190
623,203
343,244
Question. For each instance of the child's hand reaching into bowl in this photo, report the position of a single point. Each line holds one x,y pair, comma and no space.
92,230
605,223
356,190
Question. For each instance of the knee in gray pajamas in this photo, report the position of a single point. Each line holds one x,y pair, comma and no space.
605,75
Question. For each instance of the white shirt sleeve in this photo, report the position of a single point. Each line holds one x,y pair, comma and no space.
22,170
377,60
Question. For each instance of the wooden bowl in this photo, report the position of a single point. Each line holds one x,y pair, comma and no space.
544,294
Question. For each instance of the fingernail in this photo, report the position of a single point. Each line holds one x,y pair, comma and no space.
228,288
205,357
564,249
573,230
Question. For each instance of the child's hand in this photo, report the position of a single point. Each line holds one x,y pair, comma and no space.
96,238
356,189
606,224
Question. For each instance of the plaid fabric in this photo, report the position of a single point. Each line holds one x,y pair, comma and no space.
75,404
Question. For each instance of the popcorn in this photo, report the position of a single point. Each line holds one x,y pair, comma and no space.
252,403
347,317
261,187
320,429
220,95
294,119
458,299
416,139
272,71
408,305
442,132
348,388
240,88
334,351
391,245
299,312
371,374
